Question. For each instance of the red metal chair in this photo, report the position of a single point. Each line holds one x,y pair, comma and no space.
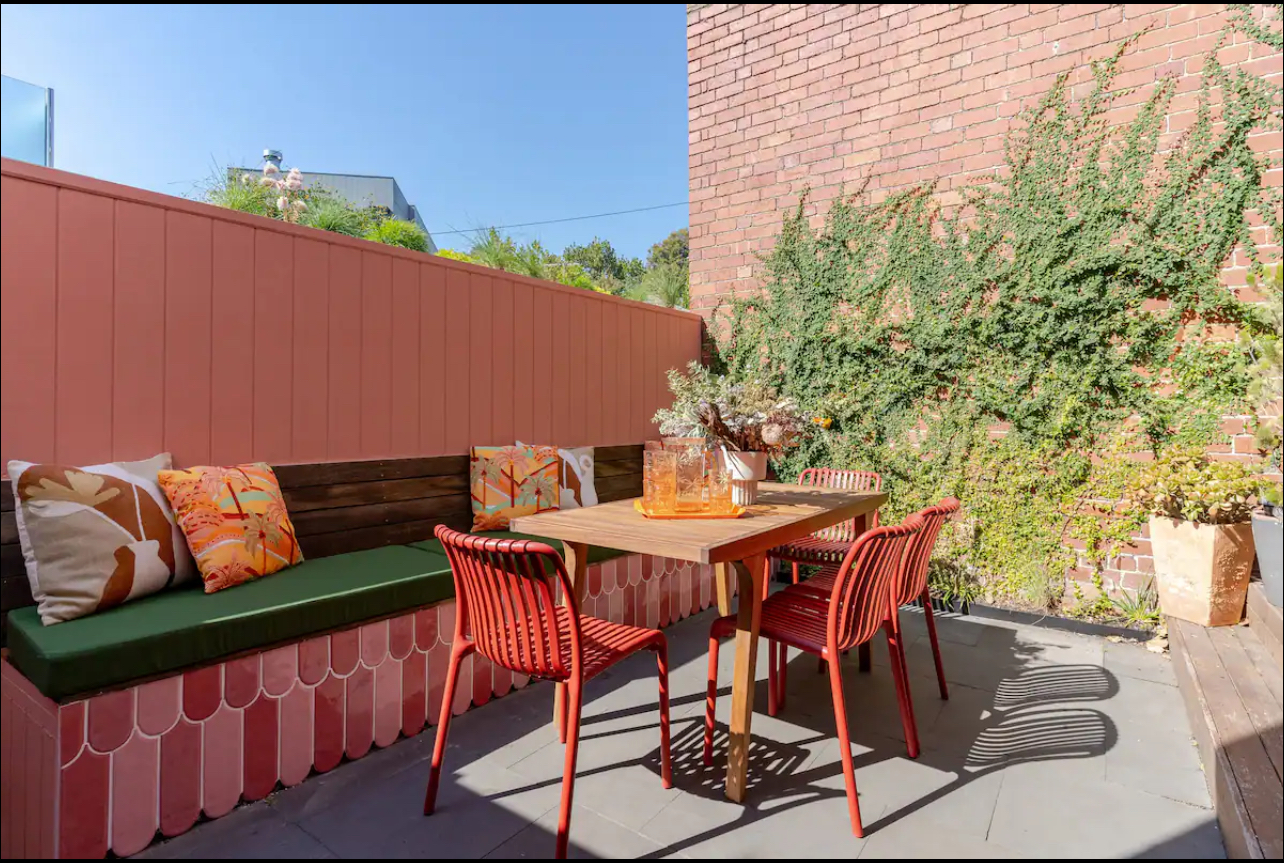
829,546
506,601
859,604
912,586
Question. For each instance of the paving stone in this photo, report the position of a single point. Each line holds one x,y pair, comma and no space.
1128,659
253,831
592,836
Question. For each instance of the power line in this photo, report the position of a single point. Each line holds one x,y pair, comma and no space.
555,221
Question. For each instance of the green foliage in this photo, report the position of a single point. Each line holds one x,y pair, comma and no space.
673,250
1187,484
455,256
500,251
398,232
664,285
1069,301
604,266
1138,610
1266,392
337,217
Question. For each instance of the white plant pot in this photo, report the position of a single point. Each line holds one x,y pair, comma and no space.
747,469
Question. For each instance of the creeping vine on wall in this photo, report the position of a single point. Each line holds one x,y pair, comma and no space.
1072,302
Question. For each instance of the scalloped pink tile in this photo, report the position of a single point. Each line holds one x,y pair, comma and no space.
329,707
446,623
483,679
414,693
594,580
280,669
314,660
622,571
387,702
652,605
501,680
345,651
438,662
296,735
241,680
464,687
202,692
401,636
359,717
520,681
630,601
261,748
135,769
374,643
615,612
663,603
84,795
180,778
635,568
71,730
159,705
111,719
426,637
221,784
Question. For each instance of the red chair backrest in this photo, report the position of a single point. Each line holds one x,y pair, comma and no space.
867,580
918,551
505,598
847,480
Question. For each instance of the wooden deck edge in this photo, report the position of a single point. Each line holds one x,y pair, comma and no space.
1232,812
1267,622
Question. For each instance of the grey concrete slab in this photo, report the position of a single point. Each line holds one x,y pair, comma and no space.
1051,744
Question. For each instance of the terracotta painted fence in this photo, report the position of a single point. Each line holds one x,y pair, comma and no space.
133,323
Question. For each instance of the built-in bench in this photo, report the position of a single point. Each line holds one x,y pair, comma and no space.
141,719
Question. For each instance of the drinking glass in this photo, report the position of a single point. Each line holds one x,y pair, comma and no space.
659,481
719,482
690,474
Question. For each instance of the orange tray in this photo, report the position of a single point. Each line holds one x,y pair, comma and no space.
736,512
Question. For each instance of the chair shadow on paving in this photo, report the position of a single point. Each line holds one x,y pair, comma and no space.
1037,712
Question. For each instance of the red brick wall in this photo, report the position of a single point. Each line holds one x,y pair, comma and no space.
898,94
820,95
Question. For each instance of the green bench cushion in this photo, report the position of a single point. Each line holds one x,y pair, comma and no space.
595,555
179,628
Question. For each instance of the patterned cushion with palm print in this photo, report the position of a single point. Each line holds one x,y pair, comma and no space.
511,481
235,522
94,537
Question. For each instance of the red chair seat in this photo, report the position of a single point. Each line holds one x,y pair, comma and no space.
602,642
813,550
793,616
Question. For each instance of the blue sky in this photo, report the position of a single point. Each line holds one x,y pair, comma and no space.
484,114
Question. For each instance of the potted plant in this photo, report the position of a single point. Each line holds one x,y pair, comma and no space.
747,419
1267,394
1200,531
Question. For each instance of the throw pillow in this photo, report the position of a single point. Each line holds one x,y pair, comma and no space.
235,522
95,537
511,481
575,477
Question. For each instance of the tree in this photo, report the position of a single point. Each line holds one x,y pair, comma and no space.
673,249
609,271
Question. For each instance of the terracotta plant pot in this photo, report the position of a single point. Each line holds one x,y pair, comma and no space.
747,469
1202,570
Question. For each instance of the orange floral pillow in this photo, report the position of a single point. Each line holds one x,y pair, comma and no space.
235,522
511,481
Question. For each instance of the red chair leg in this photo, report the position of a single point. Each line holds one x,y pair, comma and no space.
662,664
795,572
711,701
559,710
782,675
901,678
457,655
845,747
575,691
936,647
771,678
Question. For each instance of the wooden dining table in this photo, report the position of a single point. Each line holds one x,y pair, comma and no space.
783,513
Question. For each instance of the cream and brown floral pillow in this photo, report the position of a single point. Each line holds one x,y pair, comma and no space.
95,537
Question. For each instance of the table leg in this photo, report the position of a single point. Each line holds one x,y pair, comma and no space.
751,574
576,556
722,575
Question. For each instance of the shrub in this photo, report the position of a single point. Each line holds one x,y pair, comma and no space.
455,256
337,217
399,232
1189,485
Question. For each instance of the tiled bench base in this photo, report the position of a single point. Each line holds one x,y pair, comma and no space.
110,772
